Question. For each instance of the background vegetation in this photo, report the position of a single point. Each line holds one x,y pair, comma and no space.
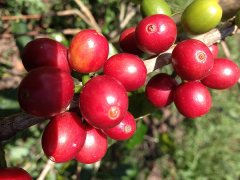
165,146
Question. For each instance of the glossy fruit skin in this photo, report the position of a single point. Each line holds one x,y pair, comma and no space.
45,91
88,51
63,137
214,49
192,60
129,69
103,101
127,41
156,33
94,148
201,16
45,52
14,173
151,7
124,130
224,75
159,90
192,99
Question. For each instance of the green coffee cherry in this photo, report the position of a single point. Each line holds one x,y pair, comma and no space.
201,16
151,7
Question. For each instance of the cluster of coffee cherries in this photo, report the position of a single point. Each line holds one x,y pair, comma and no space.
81,133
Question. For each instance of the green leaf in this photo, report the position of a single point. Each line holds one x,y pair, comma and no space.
138,137
2,157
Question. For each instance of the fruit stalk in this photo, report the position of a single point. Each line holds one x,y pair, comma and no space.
9,126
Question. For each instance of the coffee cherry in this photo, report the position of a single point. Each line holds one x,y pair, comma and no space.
124,130
128,69
214,50
63,137
159,90
45,52
45,91
192,99
156,33
127,41
94,148
14,173
151,7
201,16
88,51
103,101
225,74
192,59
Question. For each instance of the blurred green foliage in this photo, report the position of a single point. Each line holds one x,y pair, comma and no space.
201,149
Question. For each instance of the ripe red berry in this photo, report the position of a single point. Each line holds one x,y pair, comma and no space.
192,59
103,101
63,137
124,130
94,148
192,99
45,91
159,90
129,69
45,52
88,51
14,173
214,49
225,74
156,33
127,41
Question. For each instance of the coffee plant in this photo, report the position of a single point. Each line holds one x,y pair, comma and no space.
120,90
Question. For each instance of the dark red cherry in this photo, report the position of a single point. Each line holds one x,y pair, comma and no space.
63,137
214,49
159,90
94,148
88,51
225,74
129,69
127,41
156,33
192,60
103,101
45,52
192,99
124,130
14,173
45,91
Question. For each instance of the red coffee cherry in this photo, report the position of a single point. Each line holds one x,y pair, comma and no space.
124,130
45,52
192,60
14,173
159,90
214,50
94,148
88,51
225,74
156,33
192,99
128,69
103,101
63,137
45,91
127,41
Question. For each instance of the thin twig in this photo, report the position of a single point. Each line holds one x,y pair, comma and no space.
226,49
122,10
49,165
88,14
